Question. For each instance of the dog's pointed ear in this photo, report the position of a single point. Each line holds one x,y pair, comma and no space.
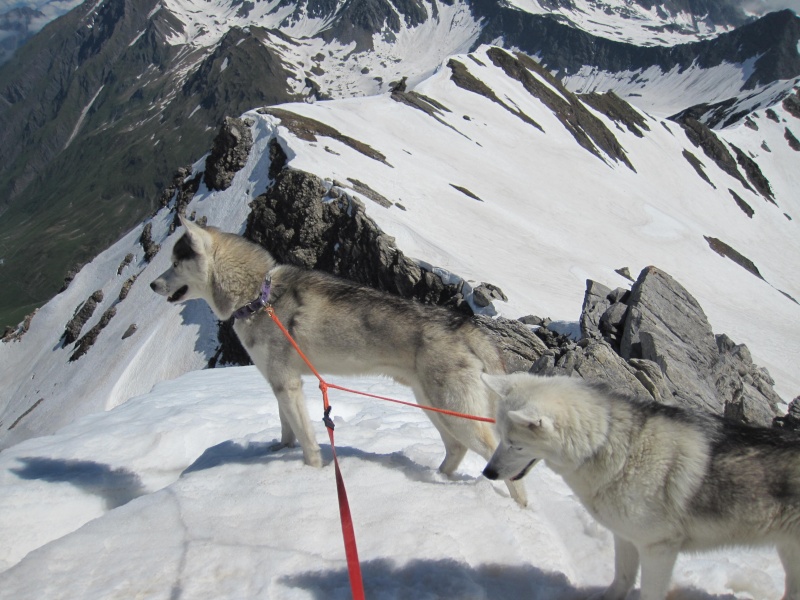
196,234
534,423
499,384
519,418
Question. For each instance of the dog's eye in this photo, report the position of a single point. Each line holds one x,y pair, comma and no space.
175,265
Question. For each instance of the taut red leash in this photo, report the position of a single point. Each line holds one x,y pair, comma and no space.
348,532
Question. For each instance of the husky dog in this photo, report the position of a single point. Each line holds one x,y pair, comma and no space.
663,479
344,329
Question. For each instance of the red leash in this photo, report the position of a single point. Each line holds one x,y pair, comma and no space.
348,533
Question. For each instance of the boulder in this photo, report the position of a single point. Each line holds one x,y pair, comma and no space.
229,153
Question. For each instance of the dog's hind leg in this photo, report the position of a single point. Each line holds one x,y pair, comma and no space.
457,393
294,417
287,435
454,450
790,558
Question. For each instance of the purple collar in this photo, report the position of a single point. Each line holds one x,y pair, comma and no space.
256,305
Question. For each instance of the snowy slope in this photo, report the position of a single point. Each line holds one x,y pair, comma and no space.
120,492
177,495
664,94
552,215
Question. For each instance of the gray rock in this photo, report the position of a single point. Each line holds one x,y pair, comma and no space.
531,320
666,325
486,293
82,314
148,245
601,363
520,347
625,272
619,295
613,319
228,154
595,303
791,420
87,341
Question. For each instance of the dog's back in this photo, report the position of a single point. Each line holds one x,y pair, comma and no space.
721,482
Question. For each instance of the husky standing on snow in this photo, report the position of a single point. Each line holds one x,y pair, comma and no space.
344,329
663,479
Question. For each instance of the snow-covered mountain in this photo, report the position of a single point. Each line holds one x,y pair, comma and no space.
485,167
103,105
493,183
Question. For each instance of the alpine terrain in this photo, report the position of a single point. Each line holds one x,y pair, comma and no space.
609,188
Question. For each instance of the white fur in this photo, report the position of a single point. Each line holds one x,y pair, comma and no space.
658,478
344,329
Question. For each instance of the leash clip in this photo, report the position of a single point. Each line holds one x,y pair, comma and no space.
327,419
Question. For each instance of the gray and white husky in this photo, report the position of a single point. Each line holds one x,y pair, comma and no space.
663,479
344,329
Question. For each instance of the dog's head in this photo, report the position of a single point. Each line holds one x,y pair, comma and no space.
540,418
188,276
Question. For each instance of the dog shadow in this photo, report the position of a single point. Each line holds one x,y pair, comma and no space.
115,486
230,452
197,312
439,579
447,579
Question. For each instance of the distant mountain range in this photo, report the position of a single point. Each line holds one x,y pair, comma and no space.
105,103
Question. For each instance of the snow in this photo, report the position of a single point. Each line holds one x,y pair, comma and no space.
625,21
176,494
133,473
82,116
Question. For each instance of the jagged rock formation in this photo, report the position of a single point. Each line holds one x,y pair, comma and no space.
82,314
305,221
653,341
14,334
662,323
88,340
148,245
229,153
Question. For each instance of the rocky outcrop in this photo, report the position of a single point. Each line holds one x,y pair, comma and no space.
305,221
82,314
587,129
663,334
652,341
791,420
88,340
14,334
229,153
148,245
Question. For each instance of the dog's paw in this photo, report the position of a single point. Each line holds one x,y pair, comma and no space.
314,461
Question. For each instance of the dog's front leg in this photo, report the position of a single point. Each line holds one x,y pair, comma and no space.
658,561
790,558
294,418
626,567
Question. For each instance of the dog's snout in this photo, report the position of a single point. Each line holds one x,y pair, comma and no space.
490,473
153,286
